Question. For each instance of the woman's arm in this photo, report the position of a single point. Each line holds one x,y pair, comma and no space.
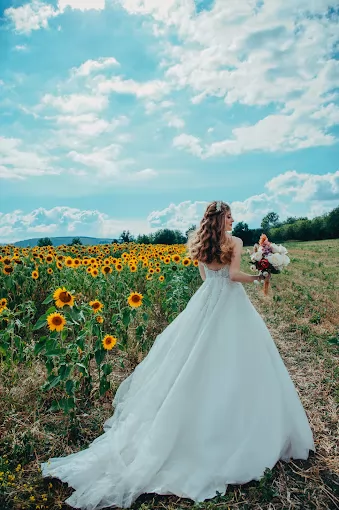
235,274
202,271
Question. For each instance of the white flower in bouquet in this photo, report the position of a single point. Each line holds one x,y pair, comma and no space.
282,250
253,267
256,256
276,259
274,248
286,260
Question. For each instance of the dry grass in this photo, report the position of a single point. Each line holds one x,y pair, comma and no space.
301,312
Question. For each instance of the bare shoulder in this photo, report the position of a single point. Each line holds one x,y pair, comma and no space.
238,241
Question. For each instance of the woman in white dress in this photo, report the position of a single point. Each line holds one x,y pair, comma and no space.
211,404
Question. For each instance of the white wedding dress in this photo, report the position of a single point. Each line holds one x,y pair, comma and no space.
211,404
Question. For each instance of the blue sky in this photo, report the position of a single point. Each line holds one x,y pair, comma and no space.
134,114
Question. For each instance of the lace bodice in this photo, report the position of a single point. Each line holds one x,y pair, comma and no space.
223,272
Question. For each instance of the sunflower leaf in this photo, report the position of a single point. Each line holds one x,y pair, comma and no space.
106,368
100,356
51,310
51,384
104,386
39,346
41,322
82,368
48,299
126,317
70,387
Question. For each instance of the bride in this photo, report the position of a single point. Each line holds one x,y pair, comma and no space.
211,404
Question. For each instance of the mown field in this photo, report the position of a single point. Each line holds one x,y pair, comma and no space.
60,365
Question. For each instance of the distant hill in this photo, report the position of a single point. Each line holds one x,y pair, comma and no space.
63,240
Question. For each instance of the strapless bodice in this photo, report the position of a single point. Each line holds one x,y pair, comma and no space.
223,272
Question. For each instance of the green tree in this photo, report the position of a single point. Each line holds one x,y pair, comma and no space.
45,241
270,220
75,240
241,230
143,239
332,224
126,237
165,236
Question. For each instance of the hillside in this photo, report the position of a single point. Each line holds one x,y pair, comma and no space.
57,241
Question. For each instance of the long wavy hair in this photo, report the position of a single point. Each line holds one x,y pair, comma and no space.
209,242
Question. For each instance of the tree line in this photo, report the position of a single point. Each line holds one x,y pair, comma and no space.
293,228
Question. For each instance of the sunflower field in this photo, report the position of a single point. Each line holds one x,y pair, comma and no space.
84,310
76,320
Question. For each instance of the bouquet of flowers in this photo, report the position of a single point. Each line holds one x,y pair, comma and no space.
268,258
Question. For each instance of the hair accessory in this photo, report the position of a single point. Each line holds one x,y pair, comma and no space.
218,206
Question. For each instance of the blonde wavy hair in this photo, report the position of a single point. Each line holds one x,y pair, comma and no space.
210,243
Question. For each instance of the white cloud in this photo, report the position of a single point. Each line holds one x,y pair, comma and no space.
66,221
269,53
36,14
173,120
21,47
104,161
82,5
93,66
147,173
188,142
155,89
75,130
31,16
312,195
180,216
271,134
304,187
18,163
75,103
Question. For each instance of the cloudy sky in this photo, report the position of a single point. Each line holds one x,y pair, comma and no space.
133,114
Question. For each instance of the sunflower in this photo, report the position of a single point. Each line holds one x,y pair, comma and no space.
96,305
157,269
109,342
135,299
50,270
94,272
35,274
161,278
3,302
167,260
89,269
106,269
99,319
186,261
118,267
133,268
69,262
59,265
8,269
76,262
49,258
56,321
6,261
176,258
149,277
195,263
62,297
151,270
